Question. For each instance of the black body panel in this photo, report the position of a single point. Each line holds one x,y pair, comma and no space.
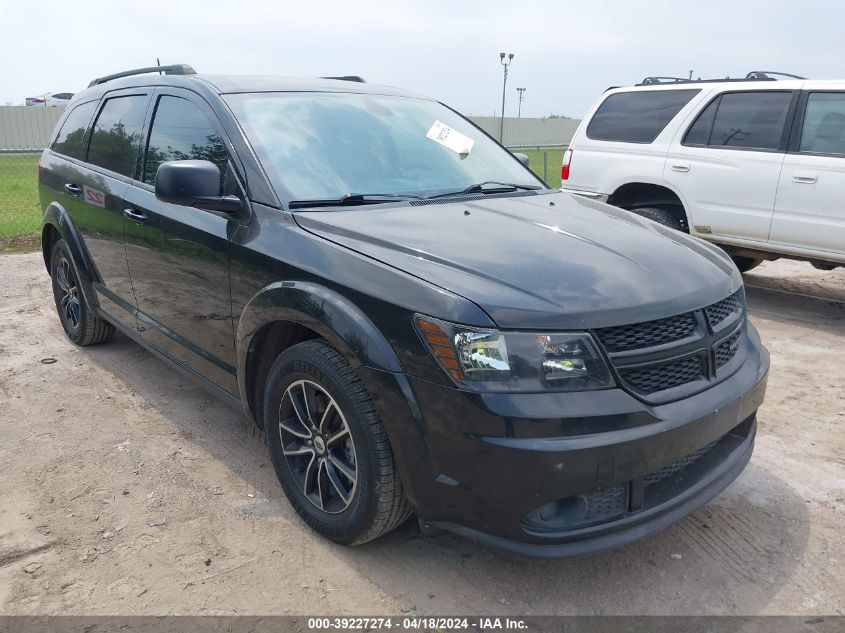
547,473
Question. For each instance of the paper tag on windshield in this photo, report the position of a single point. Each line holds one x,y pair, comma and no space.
447,137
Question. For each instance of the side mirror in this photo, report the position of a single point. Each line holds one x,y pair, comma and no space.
522,158
193,183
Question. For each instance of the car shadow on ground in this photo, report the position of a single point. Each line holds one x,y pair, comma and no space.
731,556
814,298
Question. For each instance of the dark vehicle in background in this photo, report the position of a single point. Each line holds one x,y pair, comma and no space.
415,320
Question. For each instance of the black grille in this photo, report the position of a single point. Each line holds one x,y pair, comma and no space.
581,510
659,377
647,334
726,350
606,504
720,311
609,504
638,351
678,466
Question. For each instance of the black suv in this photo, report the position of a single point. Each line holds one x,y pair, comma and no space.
418,324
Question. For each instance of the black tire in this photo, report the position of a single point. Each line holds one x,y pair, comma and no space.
661,216
376,501
744,264
79,322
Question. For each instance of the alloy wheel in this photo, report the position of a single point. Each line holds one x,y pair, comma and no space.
69,307
317,446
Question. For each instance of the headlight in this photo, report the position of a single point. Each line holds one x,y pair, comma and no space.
489,360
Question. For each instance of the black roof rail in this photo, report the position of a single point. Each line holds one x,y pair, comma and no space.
754,75
360,80
175,69
661,80
767,74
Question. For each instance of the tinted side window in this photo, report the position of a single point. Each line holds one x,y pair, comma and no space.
117,134
751,119
637,117
824,124
699,132
71,138
181,131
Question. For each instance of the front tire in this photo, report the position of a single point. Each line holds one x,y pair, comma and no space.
78,320
329,448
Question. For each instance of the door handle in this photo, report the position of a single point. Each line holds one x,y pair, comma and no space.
134,215
805,179
682,167
73,189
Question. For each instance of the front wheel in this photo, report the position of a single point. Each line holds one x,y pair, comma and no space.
329,448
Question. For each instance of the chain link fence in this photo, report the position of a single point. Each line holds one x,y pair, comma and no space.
544,161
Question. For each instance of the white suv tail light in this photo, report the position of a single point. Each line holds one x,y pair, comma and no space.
567,162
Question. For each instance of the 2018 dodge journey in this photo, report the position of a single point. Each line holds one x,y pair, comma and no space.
418,324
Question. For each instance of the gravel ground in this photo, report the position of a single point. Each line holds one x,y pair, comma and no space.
126,489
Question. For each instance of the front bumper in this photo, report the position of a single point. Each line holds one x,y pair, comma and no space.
561,474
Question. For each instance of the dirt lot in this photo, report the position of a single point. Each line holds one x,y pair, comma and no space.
126,489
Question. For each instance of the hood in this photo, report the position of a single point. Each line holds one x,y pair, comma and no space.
538,261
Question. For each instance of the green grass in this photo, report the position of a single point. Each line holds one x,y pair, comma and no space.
20,211
554,157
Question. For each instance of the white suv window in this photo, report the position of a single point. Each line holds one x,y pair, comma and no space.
637,117
749,120
823,131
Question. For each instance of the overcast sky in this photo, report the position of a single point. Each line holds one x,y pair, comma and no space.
566,53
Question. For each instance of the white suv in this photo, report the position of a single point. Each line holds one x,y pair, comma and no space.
755,165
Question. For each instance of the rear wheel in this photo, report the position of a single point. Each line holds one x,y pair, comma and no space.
79,322
662,216
744,264
329,448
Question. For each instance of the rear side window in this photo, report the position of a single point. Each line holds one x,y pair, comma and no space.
117,134
699,132
751,120
823,131
637,117
71,138
181,131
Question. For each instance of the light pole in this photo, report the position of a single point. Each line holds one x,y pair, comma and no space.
521,92
505,63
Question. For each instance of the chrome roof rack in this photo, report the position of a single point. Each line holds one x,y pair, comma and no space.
175,69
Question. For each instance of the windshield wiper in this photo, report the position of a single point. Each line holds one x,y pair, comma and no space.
352,199
489,186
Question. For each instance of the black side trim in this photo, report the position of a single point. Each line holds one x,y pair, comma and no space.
161,354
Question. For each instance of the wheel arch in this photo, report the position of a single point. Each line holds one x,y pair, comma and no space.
57,225
632,195
283,314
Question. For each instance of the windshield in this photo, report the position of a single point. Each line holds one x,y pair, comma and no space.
328,145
